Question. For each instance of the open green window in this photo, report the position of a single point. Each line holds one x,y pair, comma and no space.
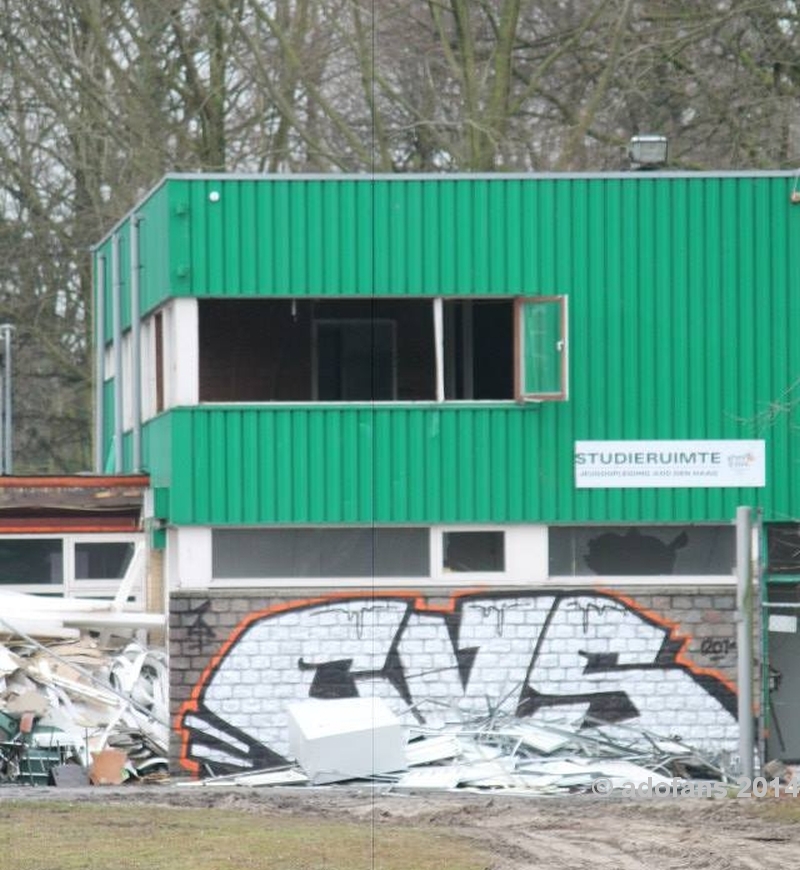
541,349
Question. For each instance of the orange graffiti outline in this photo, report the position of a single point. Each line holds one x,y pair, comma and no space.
674,634
191,705
421,605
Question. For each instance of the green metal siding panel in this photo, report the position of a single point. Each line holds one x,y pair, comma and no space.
683,299
389,465
157,226
108,425
157,450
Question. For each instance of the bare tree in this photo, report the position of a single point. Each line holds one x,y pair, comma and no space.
100,98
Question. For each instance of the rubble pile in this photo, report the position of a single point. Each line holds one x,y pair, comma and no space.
68,701
515,755
499,753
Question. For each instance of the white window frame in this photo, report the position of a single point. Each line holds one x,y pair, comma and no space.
189,561
71,586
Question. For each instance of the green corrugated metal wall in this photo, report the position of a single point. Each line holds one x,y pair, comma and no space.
683,296
405,465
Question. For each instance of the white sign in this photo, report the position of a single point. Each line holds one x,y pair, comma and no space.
640,464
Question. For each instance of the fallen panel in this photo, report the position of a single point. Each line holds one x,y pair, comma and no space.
430,749
541,738
345,738
445,777
69,776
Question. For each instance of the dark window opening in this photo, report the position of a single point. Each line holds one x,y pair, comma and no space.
108,560
292,350
478,349
323,553
783,548
31,561
300,350
474,551
355,360
642,550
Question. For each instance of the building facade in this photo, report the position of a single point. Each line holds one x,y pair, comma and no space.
465,442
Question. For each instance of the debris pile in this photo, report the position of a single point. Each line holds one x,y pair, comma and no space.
499,753
518,756
68,699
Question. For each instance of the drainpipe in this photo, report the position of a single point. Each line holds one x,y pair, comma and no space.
99,361
744,639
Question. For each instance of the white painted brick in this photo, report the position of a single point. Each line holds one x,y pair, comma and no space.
638,645
260,662
226,677
327,618
421,662
560,631
268,647
292,618
435,647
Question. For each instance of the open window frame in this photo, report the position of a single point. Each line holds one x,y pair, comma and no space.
541,349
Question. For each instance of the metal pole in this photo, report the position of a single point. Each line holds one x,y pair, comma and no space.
438,338
8,447
744,639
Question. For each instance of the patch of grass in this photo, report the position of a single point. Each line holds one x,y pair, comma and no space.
64,836
780,810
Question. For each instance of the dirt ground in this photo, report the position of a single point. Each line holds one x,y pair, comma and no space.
579,831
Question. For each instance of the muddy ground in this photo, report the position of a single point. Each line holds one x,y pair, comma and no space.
579,831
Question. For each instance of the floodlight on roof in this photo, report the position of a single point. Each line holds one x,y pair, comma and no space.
648,151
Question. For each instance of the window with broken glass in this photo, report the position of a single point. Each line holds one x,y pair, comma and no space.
642,550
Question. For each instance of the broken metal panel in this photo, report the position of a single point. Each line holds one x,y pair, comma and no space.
68,703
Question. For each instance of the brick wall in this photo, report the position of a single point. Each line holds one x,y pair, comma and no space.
663,660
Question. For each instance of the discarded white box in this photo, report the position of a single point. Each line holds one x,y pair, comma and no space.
345,738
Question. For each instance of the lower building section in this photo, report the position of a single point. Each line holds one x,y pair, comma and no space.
660,660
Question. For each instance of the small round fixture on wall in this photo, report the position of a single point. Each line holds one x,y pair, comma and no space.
213,196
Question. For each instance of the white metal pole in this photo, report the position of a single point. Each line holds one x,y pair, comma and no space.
744,639
8,426
9,404
438,341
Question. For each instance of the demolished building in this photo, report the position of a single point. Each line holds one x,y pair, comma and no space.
463,443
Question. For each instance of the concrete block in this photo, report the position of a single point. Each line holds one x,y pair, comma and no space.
345,738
